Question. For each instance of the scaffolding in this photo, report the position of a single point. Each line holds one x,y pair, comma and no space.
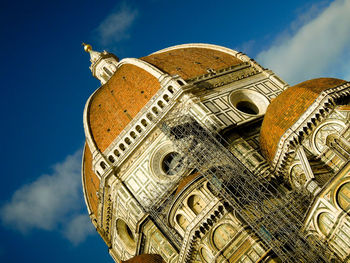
271,215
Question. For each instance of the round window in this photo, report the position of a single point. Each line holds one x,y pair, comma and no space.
166,162
126,235
172,163
249,101
247,107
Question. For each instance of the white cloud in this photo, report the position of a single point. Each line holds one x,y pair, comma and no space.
51,202
320,47
78,229
113,28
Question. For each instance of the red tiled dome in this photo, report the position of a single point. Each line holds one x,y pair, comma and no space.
118,101
287,108
190,62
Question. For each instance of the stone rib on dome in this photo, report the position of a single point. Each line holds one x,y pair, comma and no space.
287,108
91,182
190,62
117,102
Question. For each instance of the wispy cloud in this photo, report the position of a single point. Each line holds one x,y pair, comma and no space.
78,229
319,47
114,27
52,202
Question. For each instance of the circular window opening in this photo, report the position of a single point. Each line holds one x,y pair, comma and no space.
247,107
249,101
126,235
172,163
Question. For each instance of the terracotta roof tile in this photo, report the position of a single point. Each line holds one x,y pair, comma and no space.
117,102
344,108
191,62
287,108
185,181
91,181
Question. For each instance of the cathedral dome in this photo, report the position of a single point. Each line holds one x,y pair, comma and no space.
285,110
118,101
193,60
112,107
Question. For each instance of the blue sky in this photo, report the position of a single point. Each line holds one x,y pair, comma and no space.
45,81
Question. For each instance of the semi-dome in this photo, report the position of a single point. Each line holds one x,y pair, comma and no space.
286,109
117,102
185,182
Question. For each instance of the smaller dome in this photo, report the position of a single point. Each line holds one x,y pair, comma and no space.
185,181
285,110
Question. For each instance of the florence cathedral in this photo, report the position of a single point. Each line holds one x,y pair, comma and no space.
196,153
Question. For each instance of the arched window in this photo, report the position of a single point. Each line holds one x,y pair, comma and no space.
122,147
144,122
166,98
180,82
111,159
149,116
116,153
155,110
127,141
133,135
222,235
109,73
138,128
160,104
338,144
171,89
182,221
103,165
196,204
206,256
343,197
325,223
